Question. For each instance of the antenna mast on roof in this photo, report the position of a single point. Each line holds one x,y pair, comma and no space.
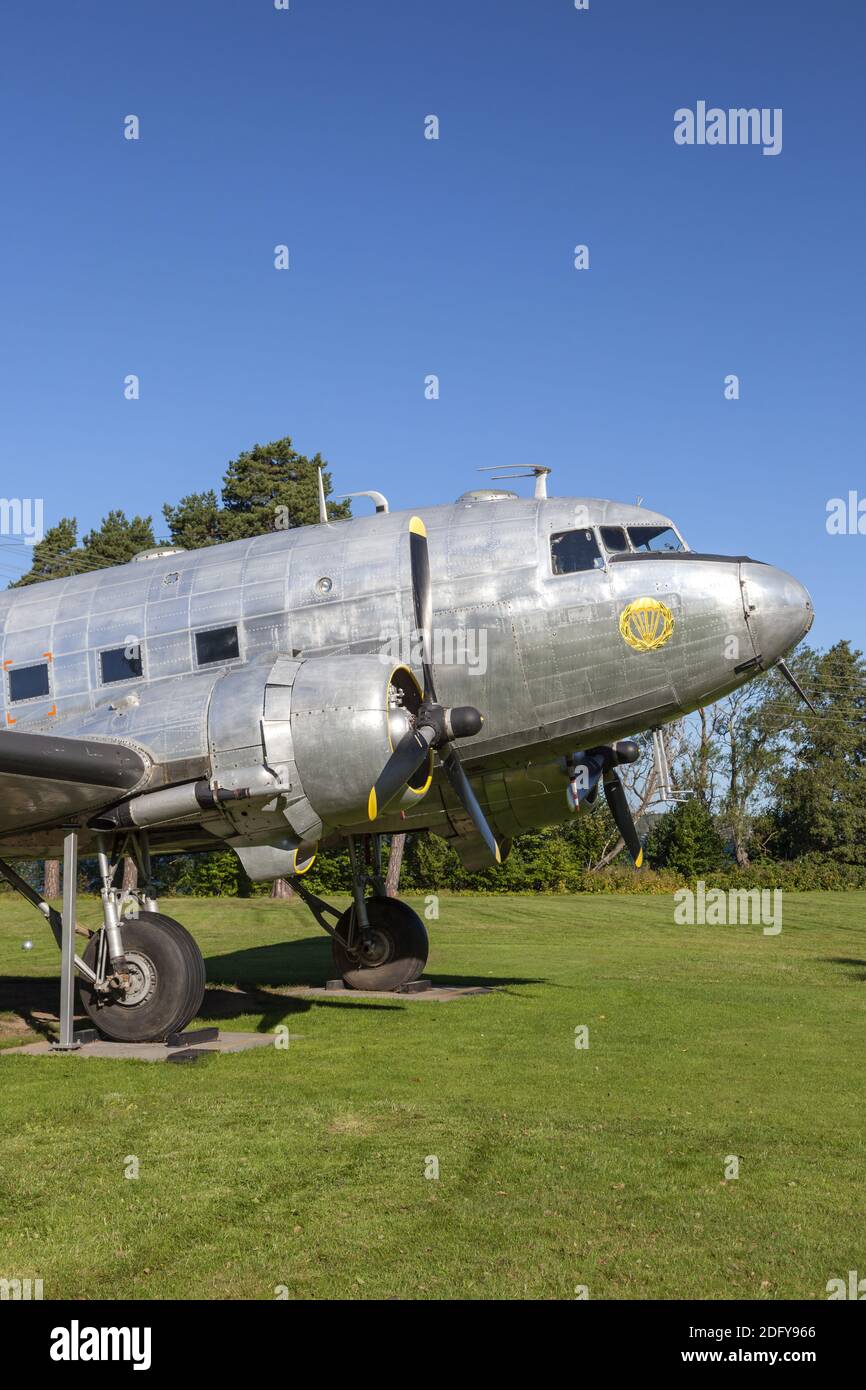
323,510
506,471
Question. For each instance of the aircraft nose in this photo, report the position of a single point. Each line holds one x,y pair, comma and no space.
779,609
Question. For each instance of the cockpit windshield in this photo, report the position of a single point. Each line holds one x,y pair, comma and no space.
654,538
573,551
613,539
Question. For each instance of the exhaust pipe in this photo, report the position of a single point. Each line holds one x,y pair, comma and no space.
167,804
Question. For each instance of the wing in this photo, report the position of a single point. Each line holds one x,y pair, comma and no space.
45,780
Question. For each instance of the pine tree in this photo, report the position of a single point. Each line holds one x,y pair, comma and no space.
195,521
270,487
686,840
113,542
116,540
54,557
821,796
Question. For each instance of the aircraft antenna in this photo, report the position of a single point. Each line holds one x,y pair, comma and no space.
323,510
506,471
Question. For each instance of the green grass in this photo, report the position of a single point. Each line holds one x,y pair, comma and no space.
605,1167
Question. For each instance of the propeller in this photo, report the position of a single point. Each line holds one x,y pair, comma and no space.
600,766
621,812
434,725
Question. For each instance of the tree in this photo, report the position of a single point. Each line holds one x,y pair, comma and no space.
395,863
686,840
269,487
820,806
56,556
752,745
51,879
116,540
113,542
195,521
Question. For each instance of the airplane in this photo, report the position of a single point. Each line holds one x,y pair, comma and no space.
474,669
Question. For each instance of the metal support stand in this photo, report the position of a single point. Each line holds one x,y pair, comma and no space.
69,1041
665,790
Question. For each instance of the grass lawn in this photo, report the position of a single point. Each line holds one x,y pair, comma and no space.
558,1167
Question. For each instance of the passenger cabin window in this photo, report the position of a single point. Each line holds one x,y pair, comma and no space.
28,682
120,664
655,538
613,538
573,551
220,644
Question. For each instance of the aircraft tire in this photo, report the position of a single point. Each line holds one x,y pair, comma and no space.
395,953
168,981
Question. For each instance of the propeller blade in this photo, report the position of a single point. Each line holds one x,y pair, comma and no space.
795,684
463,789
422,596
403,763
621,812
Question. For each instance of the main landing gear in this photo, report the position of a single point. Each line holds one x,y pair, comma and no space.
159,992
141,976
148,973
379,943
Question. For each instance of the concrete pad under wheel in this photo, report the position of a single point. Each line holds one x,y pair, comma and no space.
154,1051
419,989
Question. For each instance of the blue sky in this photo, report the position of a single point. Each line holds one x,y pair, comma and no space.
452,257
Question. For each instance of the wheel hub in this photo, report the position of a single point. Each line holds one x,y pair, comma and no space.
375,948
142,980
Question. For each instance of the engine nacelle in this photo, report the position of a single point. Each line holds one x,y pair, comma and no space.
313,733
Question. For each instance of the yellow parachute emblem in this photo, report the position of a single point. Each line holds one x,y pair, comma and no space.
646,624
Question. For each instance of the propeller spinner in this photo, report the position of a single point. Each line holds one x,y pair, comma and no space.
434,725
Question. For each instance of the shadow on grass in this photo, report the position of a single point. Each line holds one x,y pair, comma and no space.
33,999
36,1001
240,985
309,962
852,961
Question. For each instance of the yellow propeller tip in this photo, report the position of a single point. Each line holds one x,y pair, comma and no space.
639,861
372,805
417,527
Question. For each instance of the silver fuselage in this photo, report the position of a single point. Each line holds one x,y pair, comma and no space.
540,654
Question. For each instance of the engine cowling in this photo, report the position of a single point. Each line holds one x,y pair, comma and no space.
316,732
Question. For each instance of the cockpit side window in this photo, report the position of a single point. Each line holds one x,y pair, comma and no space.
614,540
654,538
573,551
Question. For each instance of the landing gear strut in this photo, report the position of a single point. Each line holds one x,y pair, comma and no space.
379,943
